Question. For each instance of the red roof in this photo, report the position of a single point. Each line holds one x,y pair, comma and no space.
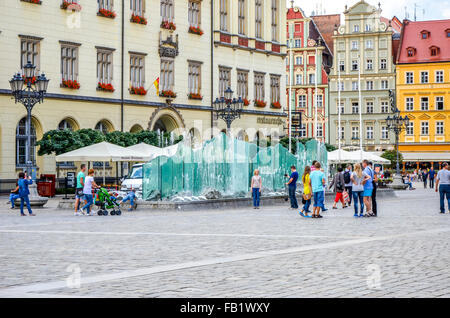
326,25
411,38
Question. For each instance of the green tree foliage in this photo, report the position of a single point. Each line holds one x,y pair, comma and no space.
392,156
124,139
58,142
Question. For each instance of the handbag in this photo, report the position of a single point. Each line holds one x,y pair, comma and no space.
346,196
306,197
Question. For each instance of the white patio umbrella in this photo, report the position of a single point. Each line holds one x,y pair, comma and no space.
370,156
104,152
341,156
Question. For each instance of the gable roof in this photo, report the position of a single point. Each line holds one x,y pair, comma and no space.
395,23
326,25
411,38
361,7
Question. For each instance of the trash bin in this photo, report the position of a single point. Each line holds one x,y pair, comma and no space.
47,185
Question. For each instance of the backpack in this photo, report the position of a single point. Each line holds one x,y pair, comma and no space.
347,179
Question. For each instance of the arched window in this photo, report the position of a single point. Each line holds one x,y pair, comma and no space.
21,143
64,124
101,126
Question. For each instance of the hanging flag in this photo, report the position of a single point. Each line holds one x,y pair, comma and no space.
156,83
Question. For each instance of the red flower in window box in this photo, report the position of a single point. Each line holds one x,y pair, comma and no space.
138,90
168,25
260,103
106,13
70,84
246,102
68,5
168,93
195,30
275,105
105,87
138,19
195,96
25,80
33,1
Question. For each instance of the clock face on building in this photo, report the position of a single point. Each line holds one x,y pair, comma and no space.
311,42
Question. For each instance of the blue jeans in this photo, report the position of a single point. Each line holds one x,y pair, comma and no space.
358,195
307,205
292,197
90,201
26,200
319,198
256,195
444,190
130,197
13,197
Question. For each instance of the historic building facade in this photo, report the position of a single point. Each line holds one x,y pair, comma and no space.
310,59
362,45
103,58
423,92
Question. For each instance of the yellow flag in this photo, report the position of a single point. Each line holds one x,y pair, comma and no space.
156,83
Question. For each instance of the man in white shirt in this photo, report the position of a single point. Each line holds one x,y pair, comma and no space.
443,185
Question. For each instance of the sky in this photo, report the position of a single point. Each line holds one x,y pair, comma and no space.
434,9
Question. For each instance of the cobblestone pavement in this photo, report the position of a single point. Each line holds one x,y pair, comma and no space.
271,252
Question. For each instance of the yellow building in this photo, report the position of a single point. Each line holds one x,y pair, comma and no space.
194,53
423,92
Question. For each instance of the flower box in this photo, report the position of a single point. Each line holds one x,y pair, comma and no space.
260,103
105,87
167,94
168,25
67,5
195,96
32,1
246,102
70,84
138,19
275,105
106,13
195,30
138,91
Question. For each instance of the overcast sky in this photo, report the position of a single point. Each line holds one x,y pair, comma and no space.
434,9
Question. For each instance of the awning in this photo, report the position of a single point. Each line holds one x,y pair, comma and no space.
426,156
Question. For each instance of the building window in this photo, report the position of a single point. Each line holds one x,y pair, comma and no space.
424,103
298,79
369,64
274,20
384,132
319,101
275,88
299,60
369,132
137,7
341,86
342,134
302,101
242,84
342,66
384,107
167,76
410,129
341,107
355,86
104,66
194,77
369,85
383,64
29,52
369,44
102,127
409,103
297,43
425,34
355,108
258,19
424,77
259,86
105,5
355,132
167,10
224,80
302,131
69,62
409,78
224,16
440,128
319,132
411,51
194,13
384,84
356,28
434,51
137,70
439,102
312,78
369,107
21,142
354,65
241,17
424,128
64,124
354,45
439,76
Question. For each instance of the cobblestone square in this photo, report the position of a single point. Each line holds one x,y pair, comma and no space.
271,252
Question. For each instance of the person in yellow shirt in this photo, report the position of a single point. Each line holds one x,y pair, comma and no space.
307,193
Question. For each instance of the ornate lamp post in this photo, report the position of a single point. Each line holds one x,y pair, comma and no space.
396,123
228,108
33,93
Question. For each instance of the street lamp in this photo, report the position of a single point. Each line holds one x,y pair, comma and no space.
228,108
33,93
396,123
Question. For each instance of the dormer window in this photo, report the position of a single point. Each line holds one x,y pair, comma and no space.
411,51
425,34
434,51
447,32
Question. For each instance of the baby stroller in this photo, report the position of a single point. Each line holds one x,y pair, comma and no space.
105,202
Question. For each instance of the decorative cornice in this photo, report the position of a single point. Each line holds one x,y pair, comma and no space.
69,43
137,53
104,48
30,37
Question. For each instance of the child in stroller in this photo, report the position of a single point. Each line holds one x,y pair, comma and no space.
105,201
